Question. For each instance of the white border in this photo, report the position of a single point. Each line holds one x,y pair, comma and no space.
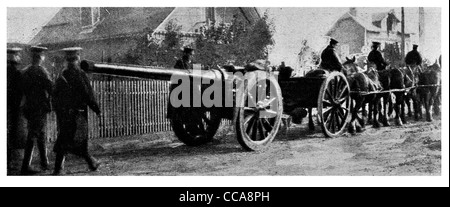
230,181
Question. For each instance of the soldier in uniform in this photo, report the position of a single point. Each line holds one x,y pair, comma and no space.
73,95
14,96
37,88
376,57
413,58
330,60
185,61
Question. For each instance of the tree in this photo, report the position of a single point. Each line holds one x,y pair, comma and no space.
236,43
156,52
393,55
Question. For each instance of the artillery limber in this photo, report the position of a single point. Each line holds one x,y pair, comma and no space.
200,99
329,93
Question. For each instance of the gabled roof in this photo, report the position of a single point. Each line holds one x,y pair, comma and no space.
364,23
66,25
376,17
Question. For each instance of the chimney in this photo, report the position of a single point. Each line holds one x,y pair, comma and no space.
353,11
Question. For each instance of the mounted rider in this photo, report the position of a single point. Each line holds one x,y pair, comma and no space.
330,59
376,57
413,59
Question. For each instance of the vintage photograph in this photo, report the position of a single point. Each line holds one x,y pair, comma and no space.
224,91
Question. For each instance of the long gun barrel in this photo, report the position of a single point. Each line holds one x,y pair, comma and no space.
147,72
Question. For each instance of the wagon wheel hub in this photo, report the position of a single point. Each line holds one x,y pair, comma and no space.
262,105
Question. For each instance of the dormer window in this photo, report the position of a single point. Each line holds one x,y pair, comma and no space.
89,16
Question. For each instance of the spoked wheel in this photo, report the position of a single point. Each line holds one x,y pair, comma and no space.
195,126
334,104
259,116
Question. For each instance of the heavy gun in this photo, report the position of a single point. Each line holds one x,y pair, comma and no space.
199,99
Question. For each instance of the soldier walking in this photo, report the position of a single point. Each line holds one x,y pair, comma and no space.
330,60
37,88
376,57
14,97
72,96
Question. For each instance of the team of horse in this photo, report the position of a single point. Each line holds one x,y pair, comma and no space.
387,91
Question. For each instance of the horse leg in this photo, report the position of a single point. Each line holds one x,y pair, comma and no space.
416,105
361,121
403,110
428,104
351,125
370,110
310,121
398,102
385,109
376,105
408,104
437,103
391,105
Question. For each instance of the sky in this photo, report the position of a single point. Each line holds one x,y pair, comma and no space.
292,24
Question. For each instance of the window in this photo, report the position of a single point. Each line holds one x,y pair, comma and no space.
89,16
345,50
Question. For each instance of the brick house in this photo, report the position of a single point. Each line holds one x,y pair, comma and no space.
356,32
106,34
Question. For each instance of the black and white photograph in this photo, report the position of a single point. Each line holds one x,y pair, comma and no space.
250,90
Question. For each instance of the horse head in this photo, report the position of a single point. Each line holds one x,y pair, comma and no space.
350,66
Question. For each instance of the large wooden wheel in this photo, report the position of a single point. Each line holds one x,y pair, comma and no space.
195,126
334,104
259,116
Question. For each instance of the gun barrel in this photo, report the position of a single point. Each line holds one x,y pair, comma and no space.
146,72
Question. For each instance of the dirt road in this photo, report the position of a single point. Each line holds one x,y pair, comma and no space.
414,149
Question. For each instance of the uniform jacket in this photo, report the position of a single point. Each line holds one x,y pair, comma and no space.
14,87
413,58
376,57
330,60
73,91
37,88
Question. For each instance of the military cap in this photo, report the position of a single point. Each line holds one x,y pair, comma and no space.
13,50
376,44
415,45
333,41
72,50
38,49
72,53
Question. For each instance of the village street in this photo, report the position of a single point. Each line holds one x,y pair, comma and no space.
411,150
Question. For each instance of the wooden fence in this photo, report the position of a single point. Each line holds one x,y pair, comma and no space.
129,107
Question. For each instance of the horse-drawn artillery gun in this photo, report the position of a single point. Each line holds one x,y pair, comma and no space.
250,96
200,99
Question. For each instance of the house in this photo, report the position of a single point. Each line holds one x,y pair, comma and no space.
106,34
356,32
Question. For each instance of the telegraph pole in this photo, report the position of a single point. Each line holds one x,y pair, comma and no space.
403,34
421,26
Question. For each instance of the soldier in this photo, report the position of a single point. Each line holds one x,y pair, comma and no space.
376,57
330,60
37,88
73,95
185,61
14,96
413,58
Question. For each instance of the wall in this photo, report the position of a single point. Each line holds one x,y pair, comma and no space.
350,33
